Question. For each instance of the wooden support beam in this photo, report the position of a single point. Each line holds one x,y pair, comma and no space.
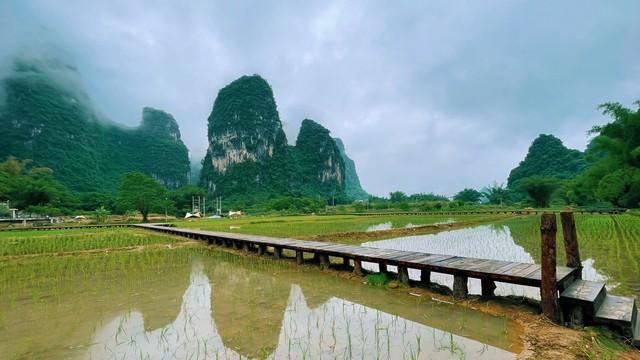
460,287
324,261
571,246
245,246
488,288
403,275
345,262
549,287
277,252
425,277
357,267
299,257
262,249
383,268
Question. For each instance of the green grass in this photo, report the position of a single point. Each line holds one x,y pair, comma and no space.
612,242
44,242
307,226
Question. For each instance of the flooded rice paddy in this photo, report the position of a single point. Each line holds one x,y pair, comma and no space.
203,304
610,249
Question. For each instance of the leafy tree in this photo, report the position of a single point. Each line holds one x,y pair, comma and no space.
182,198
141,192
26,186
496,194
615,151
468,195
102,214
397,196
539,188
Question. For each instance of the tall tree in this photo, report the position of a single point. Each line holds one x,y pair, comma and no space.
141,192
539,188
615,149
468,195
496,194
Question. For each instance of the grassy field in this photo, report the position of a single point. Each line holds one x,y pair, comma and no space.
17,243
313,226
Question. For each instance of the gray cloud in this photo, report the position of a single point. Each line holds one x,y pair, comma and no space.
427,96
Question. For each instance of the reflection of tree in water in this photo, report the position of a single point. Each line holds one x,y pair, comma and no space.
266,324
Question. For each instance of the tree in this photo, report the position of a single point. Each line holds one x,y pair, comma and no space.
101,214
397,196
141,192
615,151
496,194
539,188
468,195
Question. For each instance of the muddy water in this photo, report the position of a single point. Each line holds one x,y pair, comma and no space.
496,242
205,304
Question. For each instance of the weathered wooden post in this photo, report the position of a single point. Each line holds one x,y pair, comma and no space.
245,246
324,261
571,247
460,287
549,286
277,252
383,268
403,275
488,288
262,249
299,257
425,277
357,267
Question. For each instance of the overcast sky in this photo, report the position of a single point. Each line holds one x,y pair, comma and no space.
428,96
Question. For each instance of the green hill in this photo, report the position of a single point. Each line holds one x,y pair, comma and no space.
46,116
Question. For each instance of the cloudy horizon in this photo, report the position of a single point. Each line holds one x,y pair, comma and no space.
427,97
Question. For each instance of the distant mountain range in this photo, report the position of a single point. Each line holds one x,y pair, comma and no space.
47,116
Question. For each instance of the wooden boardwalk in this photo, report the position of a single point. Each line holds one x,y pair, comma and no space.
460,267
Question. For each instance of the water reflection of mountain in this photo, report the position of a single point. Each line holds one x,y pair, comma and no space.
234,312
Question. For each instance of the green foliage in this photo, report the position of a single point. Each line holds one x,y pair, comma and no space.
141,192
102,214
496,194
615,151
249,162
46,116
397,196
296,205
539,188
27,186
319,161
353,189
468,195
548,157
378,279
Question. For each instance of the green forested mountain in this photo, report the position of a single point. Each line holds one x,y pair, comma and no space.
46,116
352,185
248,155
247,151
548,157
320,166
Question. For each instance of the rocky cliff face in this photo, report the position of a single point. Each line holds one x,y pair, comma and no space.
247,146
352,186
319,161
46,116
248,155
